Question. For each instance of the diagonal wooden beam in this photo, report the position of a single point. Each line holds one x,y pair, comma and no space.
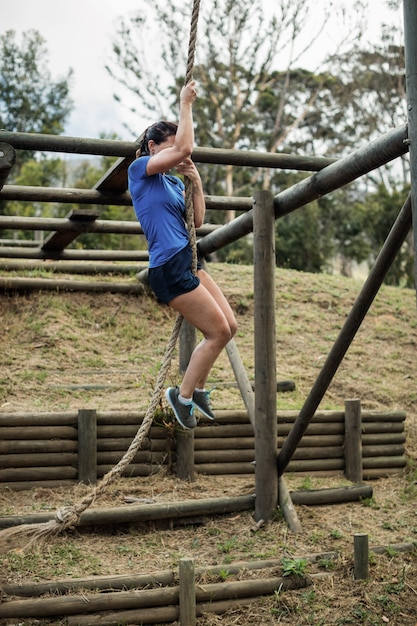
115,179
59,240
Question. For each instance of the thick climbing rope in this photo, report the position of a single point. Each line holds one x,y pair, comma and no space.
69,516
188,186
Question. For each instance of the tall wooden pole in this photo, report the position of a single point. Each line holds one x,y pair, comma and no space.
410,44
266,479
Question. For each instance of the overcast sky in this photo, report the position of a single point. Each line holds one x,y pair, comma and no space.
79,35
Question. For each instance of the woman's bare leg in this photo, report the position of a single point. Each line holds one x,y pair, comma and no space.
207,309
221,300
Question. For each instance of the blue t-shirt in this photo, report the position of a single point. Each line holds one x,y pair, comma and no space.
159,205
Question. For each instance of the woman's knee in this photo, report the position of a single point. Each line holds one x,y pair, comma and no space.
229,331
233,327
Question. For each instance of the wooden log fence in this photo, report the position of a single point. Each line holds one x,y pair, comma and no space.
156,598
141,606
53,449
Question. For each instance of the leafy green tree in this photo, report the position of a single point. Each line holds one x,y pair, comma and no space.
30,100
239,44
246,102
382,208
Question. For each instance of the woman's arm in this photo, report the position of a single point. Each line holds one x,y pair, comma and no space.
180,145
188,168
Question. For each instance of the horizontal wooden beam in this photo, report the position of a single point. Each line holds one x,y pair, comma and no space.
116,148
379,152
49,284
67,195
70,267
144,512
71,145
72,255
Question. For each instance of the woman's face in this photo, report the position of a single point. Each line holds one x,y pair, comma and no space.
154,148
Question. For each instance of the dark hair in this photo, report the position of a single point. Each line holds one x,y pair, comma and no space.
159,132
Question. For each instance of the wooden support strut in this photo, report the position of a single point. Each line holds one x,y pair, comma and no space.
59,240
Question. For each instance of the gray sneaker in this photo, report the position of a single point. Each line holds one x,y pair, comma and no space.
184,413
201,400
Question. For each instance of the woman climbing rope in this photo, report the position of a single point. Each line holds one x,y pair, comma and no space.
158,200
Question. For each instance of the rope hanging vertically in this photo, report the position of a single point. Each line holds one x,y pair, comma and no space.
69,517
189,212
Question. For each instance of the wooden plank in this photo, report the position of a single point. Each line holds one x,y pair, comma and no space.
115,179
60,240
187,592
36,459
37,473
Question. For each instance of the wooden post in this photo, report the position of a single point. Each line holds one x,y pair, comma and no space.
185,438
410,54
266,478
353,441
187,343
87,446
361,556
392,244
187,593
7,160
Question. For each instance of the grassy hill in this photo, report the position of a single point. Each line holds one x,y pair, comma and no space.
66,349
79,350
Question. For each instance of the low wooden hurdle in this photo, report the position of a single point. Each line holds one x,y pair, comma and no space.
57,449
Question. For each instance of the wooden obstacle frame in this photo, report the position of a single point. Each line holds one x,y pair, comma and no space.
179,600
374,453
259,215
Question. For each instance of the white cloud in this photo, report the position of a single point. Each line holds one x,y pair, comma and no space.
79,36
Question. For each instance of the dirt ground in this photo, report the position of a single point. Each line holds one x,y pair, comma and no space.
65,351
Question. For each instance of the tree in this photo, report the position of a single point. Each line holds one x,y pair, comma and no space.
254,93
30,100
382,208
42,172
239,47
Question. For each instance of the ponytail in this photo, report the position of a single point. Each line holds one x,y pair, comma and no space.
158,132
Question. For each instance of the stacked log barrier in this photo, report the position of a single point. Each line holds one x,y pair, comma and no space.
152,606
227,446
42,449
39,449
155,598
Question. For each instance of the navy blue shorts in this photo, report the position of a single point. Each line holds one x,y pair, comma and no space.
174,277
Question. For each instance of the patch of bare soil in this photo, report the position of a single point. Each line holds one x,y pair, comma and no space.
64,351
